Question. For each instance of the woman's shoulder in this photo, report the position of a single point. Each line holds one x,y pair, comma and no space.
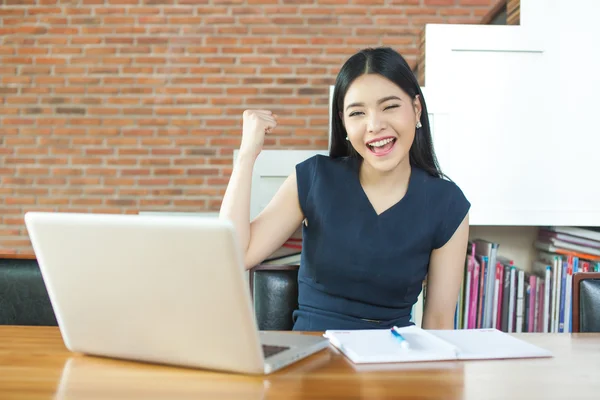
328,160
441,195
446,203
437,186
324,163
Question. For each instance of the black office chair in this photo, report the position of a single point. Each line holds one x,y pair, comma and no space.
24,299
23,296
586,302
274,290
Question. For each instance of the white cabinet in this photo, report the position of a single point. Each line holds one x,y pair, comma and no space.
514,112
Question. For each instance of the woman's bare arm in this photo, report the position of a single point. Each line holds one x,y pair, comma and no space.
282,216
236,201
446,269
275,223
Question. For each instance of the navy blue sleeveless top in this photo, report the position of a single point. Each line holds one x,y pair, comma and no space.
358,269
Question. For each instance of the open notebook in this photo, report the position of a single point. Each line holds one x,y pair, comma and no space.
381,346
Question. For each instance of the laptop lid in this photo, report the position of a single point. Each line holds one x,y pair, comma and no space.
164,289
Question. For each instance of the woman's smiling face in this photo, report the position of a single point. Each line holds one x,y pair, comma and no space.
380,120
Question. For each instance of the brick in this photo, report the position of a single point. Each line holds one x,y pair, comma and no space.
68,31
30,30
70,110
9,111
17,60
54,181
35,90
427,20
21,100
18,121
169,171
12,12
120,20
475,2
8,90
456,12
392,21
86,202
122,161
190,161
202,171
154,181
23,51
222,80
121,202
439,2
166,152
143,10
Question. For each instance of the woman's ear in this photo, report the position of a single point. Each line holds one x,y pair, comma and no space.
418,107
342,118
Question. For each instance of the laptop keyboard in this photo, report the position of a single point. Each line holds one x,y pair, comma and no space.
270,350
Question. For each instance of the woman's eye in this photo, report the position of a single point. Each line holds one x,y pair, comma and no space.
354,113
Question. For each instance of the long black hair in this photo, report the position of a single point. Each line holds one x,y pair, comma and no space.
390,64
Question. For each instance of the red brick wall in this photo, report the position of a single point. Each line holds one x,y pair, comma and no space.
115,106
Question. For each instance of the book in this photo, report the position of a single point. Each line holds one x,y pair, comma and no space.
586,233
381,346
548,236
489,250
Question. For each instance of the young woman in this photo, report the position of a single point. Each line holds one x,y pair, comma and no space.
377,214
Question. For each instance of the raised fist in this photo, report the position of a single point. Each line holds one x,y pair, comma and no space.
257,123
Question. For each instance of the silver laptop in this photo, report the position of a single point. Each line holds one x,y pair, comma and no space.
160,289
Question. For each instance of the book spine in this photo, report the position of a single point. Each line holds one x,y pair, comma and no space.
482,294
512,299
532,304
505,298
467,296
541,298
490,287
526,302
474,295
574,269
561,308
547,290
500,284
496,294
556,294
520,301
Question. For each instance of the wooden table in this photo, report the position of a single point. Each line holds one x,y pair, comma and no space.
34,364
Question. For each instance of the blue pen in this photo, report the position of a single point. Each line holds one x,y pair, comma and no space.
400,338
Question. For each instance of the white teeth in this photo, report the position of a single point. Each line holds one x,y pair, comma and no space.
380,142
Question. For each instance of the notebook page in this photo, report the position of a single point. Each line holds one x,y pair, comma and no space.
379,345
489,344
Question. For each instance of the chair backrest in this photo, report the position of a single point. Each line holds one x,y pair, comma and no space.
274,289
24,299
586,302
